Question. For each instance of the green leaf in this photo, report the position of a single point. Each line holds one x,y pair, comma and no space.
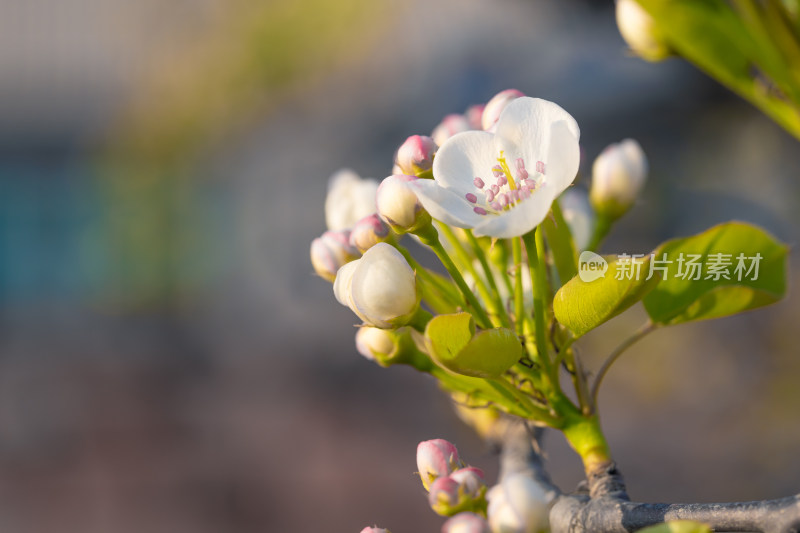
678,526
453,343
734,247
583,305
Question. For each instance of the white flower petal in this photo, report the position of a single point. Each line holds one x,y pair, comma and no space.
463,157
537,130
343,281
446,205
520,219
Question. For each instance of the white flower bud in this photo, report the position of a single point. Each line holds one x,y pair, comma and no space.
449,126
380,287
466,522
639,30
578,215
330,252
618,175
415,155
375,343
518,505
496,105
368,232
435,458
399,206
349,199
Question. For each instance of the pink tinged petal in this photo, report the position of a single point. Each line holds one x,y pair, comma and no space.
449,126
471,198
443,491
474,116
480,210
435,458
494,107
478,183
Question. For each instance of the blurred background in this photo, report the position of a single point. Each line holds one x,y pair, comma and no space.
168,360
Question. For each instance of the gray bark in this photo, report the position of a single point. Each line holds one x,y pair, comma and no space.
602,506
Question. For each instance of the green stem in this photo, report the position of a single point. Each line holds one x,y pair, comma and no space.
430,236
561,242
466,262
497,300
586,437
627,343
602,226
534,245
534,412
519,301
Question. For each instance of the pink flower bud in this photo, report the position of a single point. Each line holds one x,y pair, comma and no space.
470,479
330,252
416,155
375,530
444,495
466,522
457,492
475,116
368,232
449,126
435,458
496,105
399,206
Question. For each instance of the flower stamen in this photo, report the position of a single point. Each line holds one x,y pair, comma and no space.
506,170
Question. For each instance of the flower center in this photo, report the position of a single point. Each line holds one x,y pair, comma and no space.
507,191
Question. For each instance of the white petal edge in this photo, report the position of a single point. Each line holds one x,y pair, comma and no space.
446,205
462,158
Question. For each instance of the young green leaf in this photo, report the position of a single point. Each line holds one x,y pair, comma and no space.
727,269
583,305
453,343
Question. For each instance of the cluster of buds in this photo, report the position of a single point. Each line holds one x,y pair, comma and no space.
452,486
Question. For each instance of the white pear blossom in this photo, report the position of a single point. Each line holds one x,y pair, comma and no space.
350,198
380,287
518,505
502,184
618,175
